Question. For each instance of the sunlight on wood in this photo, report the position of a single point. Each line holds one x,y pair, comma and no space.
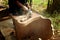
40,39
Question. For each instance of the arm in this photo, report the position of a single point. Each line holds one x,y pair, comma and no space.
21,5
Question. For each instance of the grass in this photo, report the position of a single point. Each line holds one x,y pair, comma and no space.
39,5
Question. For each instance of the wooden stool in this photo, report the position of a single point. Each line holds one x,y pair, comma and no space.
33,28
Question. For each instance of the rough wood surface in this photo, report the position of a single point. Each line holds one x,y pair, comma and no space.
33,28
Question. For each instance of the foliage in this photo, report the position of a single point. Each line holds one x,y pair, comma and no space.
38,4
4,2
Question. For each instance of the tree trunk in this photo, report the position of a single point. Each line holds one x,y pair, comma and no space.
30,2
51,7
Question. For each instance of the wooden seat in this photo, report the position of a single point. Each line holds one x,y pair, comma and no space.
33,28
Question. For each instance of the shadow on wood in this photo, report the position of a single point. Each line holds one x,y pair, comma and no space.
4,15
1,36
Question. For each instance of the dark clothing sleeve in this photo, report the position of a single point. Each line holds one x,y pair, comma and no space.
13,7
13,2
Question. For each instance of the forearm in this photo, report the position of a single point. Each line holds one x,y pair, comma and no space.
21,5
